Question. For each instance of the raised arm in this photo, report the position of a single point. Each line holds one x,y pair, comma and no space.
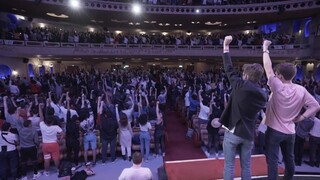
117,113
267,64
227,63
5,106
147,101
36,100
41,106
158,110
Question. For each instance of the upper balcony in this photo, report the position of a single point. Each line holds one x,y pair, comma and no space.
30,49
118,15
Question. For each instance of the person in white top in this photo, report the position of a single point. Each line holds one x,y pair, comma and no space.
136,172
50,138
8,152
204,109
125,134
145,131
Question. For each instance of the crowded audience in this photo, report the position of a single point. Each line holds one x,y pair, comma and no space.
75,109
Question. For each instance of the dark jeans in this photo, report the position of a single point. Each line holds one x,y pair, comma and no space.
26,154
213,138
298,150
73,146
159,140
105,143
314,149
274,141
9,160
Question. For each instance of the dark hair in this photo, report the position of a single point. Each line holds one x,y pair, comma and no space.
137,158
34,111
50,120
287,70
143,119
26,123
12,110
123,119
254,71
50,111
5,126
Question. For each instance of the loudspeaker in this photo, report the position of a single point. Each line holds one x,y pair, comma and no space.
25,60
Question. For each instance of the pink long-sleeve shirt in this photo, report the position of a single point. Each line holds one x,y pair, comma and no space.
285,104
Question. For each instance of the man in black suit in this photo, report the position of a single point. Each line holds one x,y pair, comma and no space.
239,117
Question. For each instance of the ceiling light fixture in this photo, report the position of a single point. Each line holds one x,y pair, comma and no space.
136,9
75,4
63,16
20,17
197,11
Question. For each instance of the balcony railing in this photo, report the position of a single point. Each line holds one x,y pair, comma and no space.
14,48
141,46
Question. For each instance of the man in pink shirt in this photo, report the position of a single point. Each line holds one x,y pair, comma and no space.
283,110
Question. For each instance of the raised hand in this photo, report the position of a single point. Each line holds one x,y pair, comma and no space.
227,41
266,44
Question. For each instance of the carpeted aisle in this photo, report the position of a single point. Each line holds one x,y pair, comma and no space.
178,147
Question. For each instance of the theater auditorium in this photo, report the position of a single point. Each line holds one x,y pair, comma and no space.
159,89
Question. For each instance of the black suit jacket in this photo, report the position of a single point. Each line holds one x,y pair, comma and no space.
246,101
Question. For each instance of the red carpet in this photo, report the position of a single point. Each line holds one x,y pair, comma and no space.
178,147
205,169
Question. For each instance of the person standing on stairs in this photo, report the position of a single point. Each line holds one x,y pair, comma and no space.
240,115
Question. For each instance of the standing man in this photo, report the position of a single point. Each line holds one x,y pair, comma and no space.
283,110
136,171
240,115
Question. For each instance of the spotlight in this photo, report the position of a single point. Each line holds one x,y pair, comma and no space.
136,9
75,4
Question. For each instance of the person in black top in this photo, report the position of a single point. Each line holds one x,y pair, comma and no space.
109,131
72,136
159,132
239,117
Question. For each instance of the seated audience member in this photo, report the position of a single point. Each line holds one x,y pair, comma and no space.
9,157
136,172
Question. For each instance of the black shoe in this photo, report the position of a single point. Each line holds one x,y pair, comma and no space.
124,157
317,164
130,158
309,163
298,163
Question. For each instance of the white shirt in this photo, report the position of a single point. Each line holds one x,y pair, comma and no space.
145,127
136,173
57,110
10,137
49,133
315,131
63,113
35,121
14,89
186,99
204,112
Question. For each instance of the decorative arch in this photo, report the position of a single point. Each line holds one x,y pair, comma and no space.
5,71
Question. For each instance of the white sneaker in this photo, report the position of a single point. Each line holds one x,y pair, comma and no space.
207,153
46,173
24,178
35,176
